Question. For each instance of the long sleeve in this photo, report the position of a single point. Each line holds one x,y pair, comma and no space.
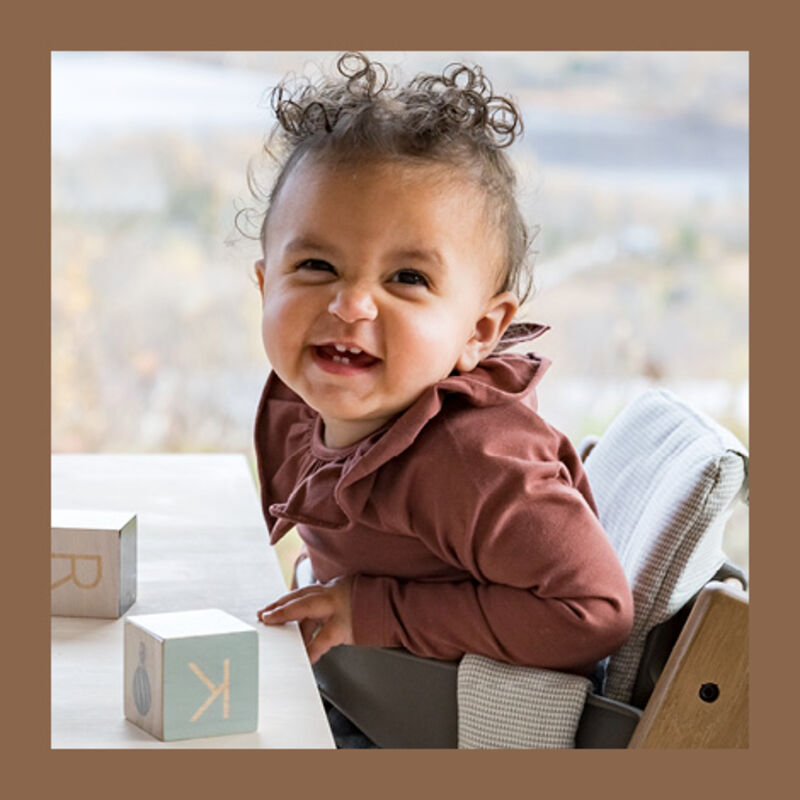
542,584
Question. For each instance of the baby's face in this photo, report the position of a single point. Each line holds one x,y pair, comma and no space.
396,262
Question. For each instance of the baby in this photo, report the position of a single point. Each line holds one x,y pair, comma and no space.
438,510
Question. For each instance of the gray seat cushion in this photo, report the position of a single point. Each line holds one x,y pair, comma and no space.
665,478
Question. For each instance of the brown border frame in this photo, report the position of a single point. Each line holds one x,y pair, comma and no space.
32,32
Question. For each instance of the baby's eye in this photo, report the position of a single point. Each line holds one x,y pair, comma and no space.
410,277
315,264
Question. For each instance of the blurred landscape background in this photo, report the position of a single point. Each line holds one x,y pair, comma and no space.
633,164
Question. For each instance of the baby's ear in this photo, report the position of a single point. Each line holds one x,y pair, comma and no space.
489,328
258,268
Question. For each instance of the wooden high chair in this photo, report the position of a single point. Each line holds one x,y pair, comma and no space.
665,478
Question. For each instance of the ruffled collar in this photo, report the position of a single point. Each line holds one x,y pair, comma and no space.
498,379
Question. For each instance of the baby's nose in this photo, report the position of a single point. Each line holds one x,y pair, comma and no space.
353,303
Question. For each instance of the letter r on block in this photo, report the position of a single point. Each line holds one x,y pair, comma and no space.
73,574
224,688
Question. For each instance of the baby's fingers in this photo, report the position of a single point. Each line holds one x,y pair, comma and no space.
314,606
286,598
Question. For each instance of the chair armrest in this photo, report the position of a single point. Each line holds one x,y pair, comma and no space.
701,697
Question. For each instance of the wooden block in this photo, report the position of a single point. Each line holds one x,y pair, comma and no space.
701,698
190,674
92,563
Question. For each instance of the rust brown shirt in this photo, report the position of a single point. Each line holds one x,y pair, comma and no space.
467,522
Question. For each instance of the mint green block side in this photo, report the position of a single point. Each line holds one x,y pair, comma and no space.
185,693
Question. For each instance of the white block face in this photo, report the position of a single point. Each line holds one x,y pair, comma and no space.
92,564
191,674
185,624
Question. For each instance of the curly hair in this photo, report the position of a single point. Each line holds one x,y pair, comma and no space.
453,119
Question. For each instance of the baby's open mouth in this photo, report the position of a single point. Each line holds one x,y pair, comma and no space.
339,354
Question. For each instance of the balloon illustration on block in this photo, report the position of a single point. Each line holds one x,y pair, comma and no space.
141,684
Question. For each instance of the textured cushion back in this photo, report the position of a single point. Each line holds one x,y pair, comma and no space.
665,478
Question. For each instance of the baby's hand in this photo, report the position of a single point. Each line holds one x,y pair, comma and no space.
323,611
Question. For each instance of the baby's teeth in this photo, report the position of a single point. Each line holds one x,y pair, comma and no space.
342,359
343,349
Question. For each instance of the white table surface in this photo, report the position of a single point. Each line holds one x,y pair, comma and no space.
202,543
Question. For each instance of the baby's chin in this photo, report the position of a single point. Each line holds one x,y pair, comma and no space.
363,417
338,405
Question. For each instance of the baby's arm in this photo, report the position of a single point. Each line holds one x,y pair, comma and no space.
547,591
546,588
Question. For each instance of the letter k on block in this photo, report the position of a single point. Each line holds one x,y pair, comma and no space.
224,687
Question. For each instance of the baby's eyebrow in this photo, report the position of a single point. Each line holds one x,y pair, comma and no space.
304,242
431,256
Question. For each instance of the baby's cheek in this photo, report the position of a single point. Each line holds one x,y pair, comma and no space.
275,343
273,334
434,342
